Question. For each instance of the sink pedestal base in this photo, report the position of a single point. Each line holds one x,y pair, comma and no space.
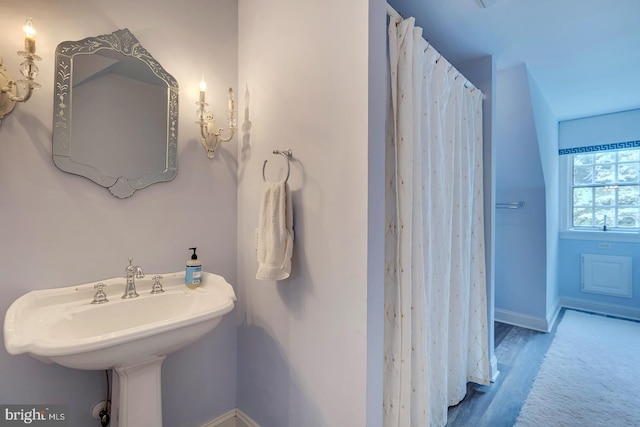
137,398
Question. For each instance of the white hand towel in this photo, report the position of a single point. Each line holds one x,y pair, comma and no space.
274,236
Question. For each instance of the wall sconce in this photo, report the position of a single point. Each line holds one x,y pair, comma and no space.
8,86
211,134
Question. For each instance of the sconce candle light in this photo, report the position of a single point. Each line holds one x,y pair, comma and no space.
211,135
8,86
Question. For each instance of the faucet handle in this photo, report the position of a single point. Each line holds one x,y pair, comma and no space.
130,267
157,286
100,296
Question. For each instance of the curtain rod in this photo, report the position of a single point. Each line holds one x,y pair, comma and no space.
397,17
393,13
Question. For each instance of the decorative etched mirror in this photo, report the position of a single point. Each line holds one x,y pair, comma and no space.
115,113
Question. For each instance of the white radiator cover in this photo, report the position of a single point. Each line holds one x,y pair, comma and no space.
607,275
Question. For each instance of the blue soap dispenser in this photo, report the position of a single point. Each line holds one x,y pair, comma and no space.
193,273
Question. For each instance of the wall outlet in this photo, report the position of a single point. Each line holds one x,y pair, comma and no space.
604,245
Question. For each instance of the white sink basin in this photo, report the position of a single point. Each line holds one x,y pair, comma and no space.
62,326
130,336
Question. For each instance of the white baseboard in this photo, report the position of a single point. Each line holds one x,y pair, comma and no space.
600,308
494,369
522,320
546,325
552,318
233,418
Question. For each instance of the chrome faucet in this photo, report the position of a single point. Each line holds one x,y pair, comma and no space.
100,297
133,272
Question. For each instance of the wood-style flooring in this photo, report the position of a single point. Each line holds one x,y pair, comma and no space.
519,352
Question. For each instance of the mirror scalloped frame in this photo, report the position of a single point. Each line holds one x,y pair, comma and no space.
125,43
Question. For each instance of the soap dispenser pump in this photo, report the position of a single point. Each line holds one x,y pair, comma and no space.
193,273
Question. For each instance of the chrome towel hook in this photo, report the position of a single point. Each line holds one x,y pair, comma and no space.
287,154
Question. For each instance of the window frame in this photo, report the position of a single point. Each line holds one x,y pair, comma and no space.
567,231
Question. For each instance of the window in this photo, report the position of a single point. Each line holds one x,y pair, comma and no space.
605,190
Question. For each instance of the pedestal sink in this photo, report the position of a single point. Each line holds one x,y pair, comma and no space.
130,336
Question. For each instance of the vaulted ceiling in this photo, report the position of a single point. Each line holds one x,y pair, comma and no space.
583,54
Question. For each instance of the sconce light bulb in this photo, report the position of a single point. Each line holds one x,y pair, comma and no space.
28,28
203,88
231,106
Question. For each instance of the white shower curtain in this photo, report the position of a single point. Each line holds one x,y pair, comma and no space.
436,337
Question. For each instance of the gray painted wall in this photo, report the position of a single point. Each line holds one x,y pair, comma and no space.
547,132
609,128
520,233
60,229
304,345
482,74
